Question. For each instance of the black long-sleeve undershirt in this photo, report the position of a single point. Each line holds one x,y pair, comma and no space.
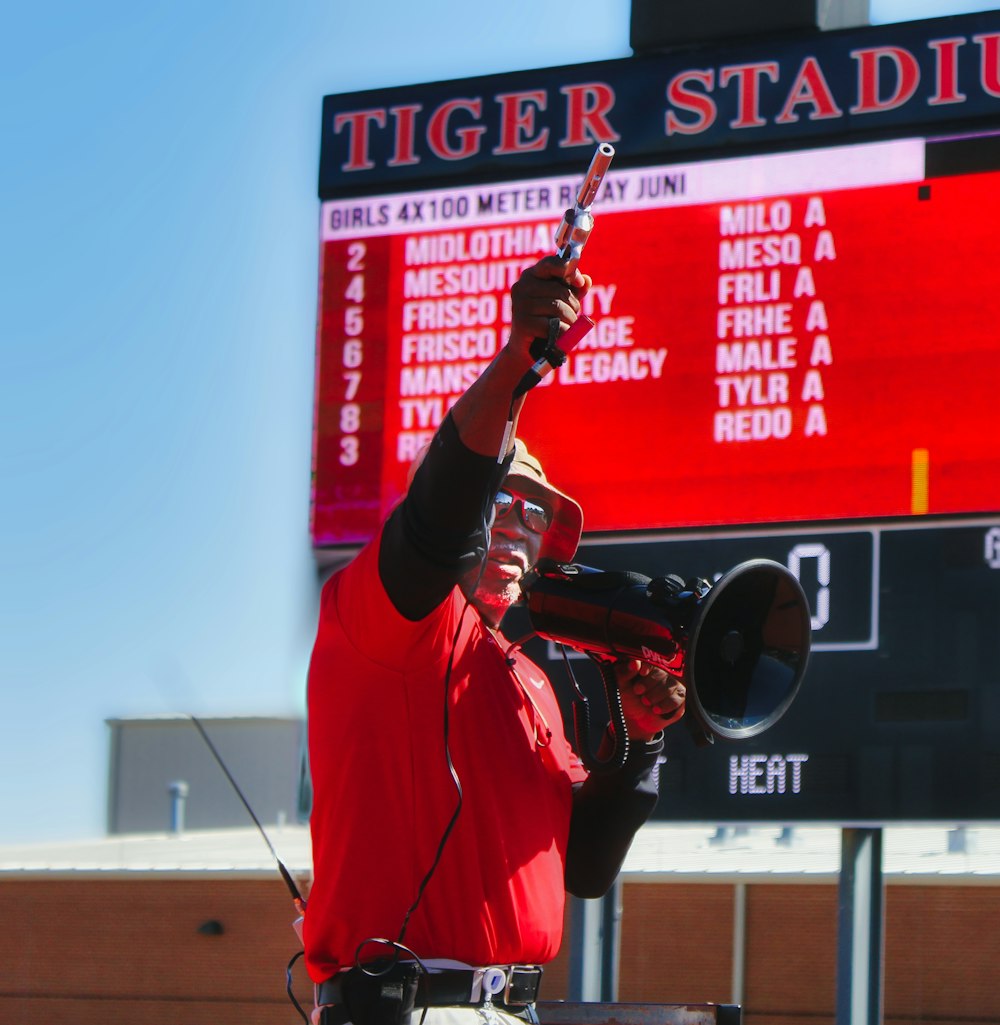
436,534
432,539
607,813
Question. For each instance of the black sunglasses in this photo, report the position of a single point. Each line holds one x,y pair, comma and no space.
535,516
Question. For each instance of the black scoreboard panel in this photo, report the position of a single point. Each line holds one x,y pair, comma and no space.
898,717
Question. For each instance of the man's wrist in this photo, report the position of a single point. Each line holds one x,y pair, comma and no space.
638,735
645,737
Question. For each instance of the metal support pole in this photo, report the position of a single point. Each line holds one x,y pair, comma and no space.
585,951
859,928
611,945
595,937
739,942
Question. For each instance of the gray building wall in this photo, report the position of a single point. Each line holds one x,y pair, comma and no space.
265,755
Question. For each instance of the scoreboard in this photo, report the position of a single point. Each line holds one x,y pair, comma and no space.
898,717
795,357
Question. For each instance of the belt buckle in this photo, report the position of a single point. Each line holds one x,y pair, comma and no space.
485,984
512,999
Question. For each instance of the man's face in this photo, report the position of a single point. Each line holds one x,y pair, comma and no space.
514,549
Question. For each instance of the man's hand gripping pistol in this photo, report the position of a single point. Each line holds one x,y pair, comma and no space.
571,237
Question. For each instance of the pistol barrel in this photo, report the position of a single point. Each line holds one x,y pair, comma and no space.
578,221
595,175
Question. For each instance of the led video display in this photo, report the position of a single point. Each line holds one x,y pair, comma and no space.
798,336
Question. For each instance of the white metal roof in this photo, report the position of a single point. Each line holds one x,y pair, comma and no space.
224,851
926,854
697,853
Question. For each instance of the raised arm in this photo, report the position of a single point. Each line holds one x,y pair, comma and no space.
541,293
436,534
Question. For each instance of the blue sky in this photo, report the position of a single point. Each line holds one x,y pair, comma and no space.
158,302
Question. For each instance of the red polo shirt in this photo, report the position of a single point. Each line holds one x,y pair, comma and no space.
384,793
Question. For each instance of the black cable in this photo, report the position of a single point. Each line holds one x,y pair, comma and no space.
377,970
486,523
564,651
288,985
451,770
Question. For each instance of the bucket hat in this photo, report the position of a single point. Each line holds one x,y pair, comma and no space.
527,477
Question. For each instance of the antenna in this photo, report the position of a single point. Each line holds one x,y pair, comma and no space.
297,898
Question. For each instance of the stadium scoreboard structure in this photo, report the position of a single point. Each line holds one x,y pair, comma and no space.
795,356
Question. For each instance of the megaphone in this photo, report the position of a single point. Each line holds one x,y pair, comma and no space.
740,646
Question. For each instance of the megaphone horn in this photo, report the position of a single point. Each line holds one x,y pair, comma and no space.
740,645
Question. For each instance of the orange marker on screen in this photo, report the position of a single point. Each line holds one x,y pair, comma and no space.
919,481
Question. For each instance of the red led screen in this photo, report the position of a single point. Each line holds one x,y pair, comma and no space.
782,338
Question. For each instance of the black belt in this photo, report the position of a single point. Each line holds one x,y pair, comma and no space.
458,987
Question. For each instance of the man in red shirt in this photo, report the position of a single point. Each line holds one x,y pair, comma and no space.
450,813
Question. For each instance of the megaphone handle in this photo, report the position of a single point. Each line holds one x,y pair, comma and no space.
581,723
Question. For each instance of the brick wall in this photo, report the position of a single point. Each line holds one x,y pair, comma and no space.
941,958
942,954
98,952
791,954
676,944
102,951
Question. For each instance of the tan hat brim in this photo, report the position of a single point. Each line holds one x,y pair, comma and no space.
562,539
